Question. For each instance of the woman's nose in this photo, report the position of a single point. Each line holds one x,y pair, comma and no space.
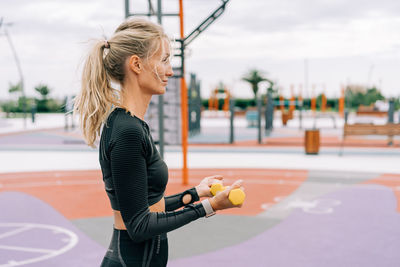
169,72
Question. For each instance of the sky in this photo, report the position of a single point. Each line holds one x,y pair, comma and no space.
328,43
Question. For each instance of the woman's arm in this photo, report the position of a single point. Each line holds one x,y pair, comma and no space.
179,200
193,194
129,173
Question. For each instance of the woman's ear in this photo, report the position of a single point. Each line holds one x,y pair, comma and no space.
135,64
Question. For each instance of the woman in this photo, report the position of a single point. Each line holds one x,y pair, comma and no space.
135,176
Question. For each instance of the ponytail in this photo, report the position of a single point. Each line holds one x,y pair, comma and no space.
96,97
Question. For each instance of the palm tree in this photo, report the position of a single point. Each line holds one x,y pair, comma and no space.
254,77
42,104
43,90
15,88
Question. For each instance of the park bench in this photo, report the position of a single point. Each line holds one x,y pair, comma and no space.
370,111
324,115
389,129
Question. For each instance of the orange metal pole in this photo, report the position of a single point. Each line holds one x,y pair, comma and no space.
292,99
184,108
313,100
323,102
216,101
300,97
226,100
211,101
341,103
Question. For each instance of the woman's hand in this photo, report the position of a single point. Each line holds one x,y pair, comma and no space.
203,189
221,200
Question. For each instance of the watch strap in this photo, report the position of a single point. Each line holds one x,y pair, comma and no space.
208,208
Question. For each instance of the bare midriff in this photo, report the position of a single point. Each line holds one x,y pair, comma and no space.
119,223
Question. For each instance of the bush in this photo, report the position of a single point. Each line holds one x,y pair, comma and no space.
9,107
48,105
54,105
241,103
41,105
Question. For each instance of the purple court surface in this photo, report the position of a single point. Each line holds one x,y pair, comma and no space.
33,234
348,235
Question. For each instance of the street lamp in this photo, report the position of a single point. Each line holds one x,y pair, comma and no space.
21,77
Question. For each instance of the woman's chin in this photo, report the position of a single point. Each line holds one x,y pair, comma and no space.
160,91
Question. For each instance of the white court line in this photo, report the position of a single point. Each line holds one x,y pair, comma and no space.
14,232
58,183
72,237
39,250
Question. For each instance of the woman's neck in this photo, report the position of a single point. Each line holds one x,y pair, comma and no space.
135,101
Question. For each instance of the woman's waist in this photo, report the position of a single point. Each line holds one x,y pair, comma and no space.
119,222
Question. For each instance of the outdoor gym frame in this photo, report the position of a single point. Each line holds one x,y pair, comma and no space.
184,42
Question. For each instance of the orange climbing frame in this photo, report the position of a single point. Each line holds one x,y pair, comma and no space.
341,103
213,100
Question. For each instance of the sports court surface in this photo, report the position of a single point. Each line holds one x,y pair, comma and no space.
301,210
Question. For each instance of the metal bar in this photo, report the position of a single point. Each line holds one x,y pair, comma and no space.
182,56
171,14
17,62
259,120
160,97
127,14
301,117
150,14
232,115
306,77
207,22
185,175
151,10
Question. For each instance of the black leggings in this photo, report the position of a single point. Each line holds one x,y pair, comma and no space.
123,252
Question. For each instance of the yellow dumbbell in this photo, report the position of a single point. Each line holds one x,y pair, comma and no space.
236,196
217,187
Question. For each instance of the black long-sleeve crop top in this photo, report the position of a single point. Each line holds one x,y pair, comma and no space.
135,177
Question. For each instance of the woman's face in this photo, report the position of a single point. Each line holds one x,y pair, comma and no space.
157,70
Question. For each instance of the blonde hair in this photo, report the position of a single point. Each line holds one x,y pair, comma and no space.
105,63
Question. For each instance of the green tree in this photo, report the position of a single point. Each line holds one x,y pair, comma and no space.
254,77
43,90
15,88
357,95
372,95
18,105
397,103
8,107
42,103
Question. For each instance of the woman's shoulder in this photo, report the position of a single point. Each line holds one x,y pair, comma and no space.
126,125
